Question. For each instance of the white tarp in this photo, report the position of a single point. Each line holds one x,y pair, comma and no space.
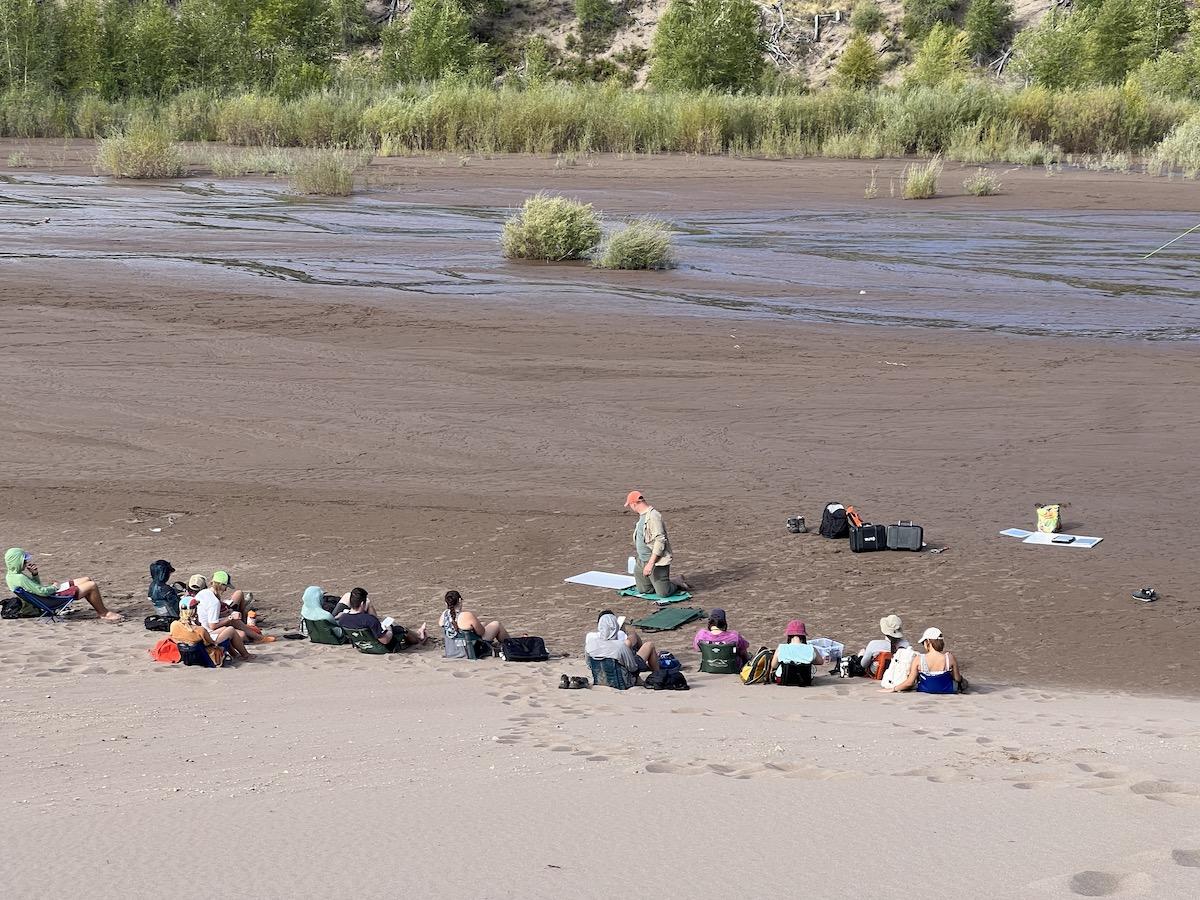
1037,537
603,580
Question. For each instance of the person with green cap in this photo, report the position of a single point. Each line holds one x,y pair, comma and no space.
22,572
214,613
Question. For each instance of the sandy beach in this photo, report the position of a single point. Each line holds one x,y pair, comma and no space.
361,392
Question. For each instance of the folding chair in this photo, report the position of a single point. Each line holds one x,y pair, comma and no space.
464,644
55,607
719,659
322,632
610,673
365,642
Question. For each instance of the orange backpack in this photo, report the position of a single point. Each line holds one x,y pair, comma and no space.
881,663
853,517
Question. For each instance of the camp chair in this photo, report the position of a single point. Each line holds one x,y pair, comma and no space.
323,632
881,663
197,654
719,659
365,642
54,607
610,673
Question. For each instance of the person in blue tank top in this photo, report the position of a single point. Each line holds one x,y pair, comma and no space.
935,671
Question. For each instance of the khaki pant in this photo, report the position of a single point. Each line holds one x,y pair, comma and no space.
658,583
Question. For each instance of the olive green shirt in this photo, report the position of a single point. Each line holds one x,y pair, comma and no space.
650,538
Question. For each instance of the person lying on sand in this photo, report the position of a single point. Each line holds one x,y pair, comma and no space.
162,595
465,620
608,641
394,638
653,548
893,633
795,650
935,671
718,632
188,630
21,572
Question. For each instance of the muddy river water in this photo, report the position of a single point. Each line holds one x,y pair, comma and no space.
1055,273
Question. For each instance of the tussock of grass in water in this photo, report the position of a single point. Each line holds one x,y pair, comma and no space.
1179,150
17,160
262,161
982,184
325,173
551,228
642,244
921,182
144,150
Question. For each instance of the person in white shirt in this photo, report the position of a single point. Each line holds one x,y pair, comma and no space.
208,612
893,632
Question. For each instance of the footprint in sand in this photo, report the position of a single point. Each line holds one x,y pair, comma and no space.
1189,858
1156,788
1092,883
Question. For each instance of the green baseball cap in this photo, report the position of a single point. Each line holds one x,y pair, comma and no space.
222,578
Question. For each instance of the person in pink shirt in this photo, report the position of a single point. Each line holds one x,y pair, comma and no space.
718,632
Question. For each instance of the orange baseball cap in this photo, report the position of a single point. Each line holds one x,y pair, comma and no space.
633,497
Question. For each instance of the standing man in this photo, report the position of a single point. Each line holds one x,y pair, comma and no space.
653,549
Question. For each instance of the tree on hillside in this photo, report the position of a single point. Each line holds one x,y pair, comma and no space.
858,68
708,43
942,57
1114,44
921,15
436,41
1163,21
78,34
23,46
1052,53
989,26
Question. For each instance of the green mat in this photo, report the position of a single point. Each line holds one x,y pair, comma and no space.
676,597
671,617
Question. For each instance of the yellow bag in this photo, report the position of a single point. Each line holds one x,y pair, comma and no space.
1047,519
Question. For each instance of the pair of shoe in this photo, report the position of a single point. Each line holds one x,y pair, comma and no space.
574,683
1146,595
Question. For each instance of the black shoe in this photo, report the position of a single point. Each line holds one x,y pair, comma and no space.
1146,595
564,683
578,682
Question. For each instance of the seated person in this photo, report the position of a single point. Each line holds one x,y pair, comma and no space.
395,637
313,610
21,572
795,649
718,632
195,585
162,594
893,632
934,671
187,630
609,642
465,620
230,599
216,617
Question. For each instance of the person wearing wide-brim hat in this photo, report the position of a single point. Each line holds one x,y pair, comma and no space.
893,639
653,548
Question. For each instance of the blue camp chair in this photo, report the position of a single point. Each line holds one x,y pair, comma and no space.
197,654
610,673
53,607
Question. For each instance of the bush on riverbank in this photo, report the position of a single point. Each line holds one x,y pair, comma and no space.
144,150
642,244
325,173
551,228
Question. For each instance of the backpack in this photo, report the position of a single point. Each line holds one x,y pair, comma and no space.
524,649
667,661
833,521
794,674
758,670
16,608
158,623
666,680
897,670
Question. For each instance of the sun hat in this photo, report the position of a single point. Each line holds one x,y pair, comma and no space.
197,583
796,629
633,497
931,634
221,577
891,626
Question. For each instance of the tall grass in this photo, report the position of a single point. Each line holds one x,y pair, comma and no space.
921,181
551,228
1179,150
145,150
328,173
982,184
974,121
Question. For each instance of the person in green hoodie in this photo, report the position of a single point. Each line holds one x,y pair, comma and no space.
21,572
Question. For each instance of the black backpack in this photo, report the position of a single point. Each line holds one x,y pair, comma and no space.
16,608
795,674
833,521
666,680
524,649
158,623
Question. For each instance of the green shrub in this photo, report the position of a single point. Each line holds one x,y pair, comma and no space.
93,116
858,67
145,150
982,184
942,57
254,120
435,41
708,44
867,17
327,173
642,244
192,116
597,22
1180,149
921,181
989,26
551,228
921,15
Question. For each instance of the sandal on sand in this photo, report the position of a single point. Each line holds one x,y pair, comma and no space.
578,683
1146,595
564,683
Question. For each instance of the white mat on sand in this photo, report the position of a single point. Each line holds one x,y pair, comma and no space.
1037,537
603,580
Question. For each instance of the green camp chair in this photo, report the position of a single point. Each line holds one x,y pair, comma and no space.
719,659
364,641
322,632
